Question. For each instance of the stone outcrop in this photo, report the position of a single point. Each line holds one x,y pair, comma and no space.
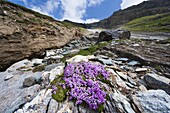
27,34
147,51
117,34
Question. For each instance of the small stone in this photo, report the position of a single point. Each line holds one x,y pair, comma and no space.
52,66
119,81
37,62
103,56
74,42
80,58
118,62
8,76
52,61
122,75
132,75
56,71
114,67
141,70
126,68
122,59
57,57
133,63
143,88
130,85
50,53
30,81
136,45
71,52
130,80
106,61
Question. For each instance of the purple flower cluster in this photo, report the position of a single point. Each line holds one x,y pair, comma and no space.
54,89
83,80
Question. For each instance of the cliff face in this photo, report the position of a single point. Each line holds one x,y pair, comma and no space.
26,34
121,17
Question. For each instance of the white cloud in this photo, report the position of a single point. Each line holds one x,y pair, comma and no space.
90,20
25,1
47,8
127,3
94,2
75,10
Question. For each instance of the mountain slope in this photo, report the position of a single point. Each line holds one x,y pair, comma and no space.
121,17
158,22
27,34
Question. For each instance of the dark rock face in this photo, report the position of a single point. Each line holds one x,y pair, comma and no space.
158,82
123,34
109,35
105,36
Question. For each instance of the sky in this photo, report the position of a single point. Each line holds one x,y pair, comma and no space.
82,11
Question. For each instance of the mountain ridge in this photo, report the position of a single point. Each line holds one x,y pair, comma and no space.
120,17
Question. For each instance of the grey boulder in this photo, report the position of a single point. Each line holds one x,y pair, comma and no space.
157,82
105,36
152,101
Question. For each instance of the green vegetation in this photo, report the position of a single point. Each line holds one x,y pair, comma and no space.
68,25
3,0
85,52
59,78
39,68
168,40
154,23
100,109
35,20
20,14
23,68
71,25
61,95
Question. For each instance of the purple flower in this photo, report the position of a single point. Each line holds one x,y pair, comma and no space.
81,79
54,89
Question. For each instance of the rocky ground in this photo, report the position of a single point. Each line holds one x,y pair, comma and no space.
139,76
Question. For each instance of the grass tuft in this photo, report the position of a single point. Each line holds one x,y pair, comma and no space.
39,68
90,51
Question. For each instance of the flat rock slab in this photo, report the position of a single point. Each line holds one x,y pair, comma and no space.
152,101
12,93
157,82
154,54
